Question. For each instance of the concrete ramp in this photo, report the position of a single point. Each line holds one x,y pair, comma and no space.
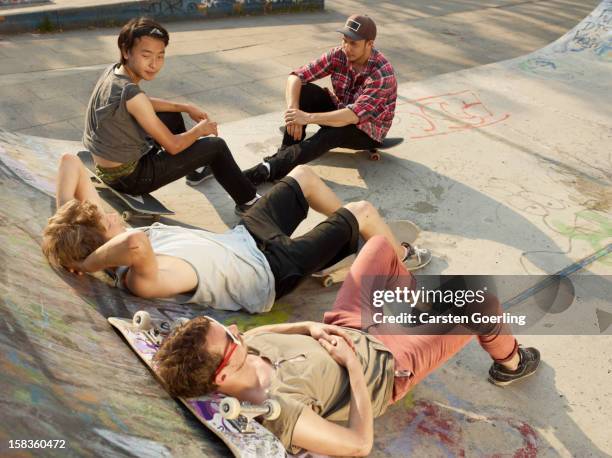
507,169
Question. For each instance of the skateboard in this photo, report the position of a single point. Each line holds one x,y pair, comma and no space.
404,231
389,142
144,206
373,153
228,418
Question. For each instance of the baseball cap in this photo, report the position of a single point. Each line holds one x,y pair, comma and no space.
358,27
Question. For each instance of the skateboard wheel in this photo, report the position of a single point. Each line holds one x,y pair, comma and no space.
126,215
142,320
374,155
327,281
230,408
274,409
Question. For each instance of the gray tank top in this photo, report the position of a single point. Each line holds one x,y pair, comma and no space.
111,132
233,274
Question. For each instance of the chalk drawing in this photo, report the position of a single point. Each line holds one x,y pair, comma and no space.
449,113
592,227
593,34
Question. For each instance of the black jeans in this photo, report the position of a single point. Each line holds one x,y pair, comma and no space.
274,218
157,168
314,99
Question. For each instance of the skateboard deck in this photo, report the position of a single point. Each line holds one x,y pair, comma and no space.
260,442
404,231
388,143
144,206
373,154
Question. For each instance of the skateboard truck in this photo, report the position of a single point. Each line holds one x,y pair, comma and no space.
142,321
241,414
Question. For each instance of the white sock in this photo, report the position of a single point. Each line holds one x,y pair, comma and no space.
253,200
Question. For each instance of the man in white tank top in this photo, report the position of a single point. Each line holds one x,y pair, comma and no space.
247,267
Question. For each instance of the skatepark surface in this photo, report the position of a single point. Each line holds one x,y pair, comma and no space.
506,168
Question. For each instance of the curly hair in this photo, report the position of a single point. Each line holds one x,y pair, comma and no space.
73,233
184,363
137,28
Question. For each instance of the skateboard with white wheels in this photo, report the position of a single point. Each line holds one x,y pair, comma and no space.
403,230
229,419
144,206
373,153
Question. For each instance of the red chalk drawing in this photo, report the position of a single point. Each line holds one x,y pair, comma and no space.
449,429
440,425
530,440
448,113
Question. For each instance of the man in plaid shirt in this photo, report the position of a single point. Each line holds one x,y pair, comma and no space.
356,115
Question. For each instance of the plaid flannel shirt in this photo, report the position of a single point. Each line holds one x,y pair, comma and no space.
370,94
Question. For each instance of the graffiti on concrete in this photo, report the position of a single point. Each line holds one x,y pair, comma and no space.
173,6
594,34
177,7
548,67
20,2
592,227
449,113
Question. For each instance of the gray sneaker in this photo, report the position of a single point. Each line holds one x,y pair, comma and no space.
198,176
416,258
530,360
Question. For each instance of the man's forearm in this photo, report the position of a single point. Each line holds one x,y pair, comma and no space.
293,91
118,251
361,417
284,328
161,105
336,118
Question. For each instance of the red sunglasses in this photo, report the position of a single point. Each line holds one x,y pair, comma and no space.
230,348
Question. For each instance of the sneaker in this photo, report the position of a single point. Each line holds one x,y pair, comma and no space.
530,360
198,175
416,257
258,174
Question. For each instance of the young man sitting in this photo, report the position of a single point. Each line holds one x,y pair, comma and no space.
356,115
323,373
244,268
140,143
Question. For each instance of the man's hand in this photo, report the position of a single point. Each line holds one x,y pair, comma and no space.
196,114
206,127
295,130
338,349
77,268
296,116
328,331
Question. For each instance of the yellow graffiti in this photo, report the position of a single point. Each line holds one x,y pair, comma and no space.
280,314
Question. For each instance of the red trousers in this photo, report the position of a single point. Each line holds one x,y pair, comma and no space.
378,268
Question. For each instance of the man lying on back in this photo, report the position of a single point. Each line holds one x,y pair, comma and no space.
346,369
247,267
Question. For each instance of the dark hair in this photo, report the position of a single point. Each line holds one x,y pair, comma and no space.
184,363
140,27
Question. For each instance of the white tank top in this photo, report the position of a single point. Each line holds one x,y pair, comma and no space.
233,274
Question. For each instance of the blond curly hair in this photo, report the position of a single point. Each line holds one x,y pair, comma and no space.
73,233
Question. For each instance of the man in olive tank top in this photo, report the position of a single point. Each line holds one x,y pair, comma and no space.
140,143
